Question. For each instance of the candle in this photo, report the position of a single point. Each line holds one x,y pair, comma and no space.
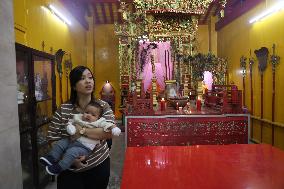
163,104
177,106
198,104
189,93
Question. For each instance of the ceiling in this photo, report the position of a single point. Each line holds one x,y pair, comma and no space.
107,11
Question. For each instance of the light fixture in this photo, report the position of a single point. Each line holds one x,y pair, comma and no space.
58,14
264,14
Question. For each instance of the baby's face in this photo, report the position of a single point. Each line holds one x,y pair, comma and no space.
91,114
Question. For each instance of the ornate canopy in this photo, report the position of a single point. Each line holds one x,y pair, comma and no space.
158,20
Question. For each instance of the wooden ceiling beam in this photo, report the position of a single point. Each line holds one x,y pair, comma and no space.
97,19
119,17
111,12
104,13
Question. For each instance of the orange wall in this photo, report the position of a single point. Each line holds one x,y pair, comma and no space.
237,39
34,24
106,61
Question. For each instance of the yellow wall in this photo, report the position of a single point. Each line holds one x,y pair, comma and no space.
34,24
235,40
106,61
202,39
212,35
207,37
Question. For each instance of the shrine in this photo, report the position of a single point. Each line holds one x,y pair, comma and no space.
166,79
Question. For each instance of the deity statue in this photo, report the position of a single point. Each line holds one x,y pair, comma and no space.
38,90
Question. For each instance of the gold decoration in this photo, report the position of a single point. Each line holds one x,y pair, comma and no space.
173,6
159,20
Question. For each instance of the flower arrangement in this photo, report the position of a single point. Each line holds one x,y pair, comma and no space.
208,62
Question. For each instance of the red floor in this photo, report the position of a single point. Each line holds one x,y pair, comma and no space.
237,166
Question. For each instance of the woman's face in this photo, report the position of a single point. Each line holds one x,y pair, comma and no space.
85,86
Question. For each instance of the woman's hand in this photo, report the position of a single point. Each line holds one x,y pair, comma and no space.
78,162
77,134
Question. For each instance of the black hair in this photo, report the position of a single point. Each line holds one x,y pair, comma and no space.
97,105
75,76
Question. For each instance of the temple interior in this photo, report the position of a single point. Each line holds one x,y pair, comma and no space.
195,86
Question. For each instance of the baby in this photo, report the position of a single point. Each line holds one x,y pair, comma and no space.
70,150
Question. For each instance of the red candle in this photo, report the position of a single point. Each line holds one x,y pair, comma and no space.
198,105
177,106
163,104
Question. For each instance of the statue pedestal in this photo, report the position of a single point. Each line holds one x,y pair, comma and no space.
199,89
138,87
154,91
185,84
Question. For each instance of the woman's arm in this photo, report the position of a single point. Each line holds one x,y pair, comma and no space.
92,133
97,133
107,112
54,128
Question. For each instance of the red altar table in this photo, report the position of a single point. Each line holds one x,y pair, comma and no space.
236,166
176,130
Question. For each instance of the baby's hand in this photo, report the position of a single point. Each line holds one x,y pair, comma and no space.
71,129
79,162
116,131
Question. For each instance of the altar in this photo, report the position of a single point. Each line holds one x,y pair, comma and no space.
186,129
171,93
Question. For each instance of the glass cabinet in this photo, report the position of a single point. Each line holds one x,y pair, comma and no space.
36,104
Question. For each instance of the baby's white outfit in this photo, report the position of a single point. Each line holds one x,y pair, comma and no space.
100,123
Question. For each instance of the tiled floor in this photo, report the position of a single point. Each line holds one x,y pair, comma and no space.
117,159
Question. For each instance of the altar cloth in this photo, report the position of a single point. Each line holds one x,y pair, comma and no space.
180,130
235,166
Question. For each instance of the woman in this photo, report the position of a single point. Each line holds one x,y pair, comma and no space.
95,171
